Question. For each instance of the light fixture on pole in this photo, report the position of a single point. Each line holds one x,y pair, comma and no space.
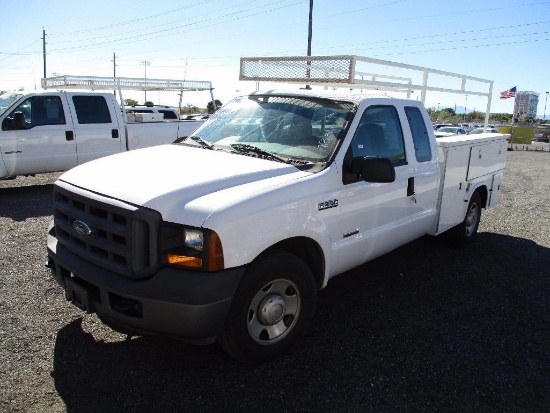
145,63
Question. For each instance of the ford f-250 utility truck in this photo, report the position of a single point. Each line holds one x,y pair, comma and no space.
230,234
54,131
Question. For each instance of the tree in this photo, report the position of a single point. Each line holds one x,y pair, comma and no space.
210,106
449,111
190,108
149,103
130,102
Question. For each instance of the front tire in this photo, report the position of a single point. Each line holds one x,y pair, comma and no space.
271,309
466,231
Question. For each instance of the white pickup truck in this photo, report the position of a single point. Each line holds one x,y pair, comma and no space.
56,131
230,234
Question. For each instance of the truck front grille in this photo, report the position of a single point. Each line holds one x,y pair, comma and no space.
113,235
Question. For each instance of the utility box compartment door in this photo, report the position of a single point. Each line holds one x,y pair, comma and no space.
453,192
486,158
495,192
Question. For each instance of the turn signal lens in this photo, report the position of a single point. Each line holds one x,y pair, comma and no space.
215,253
184,261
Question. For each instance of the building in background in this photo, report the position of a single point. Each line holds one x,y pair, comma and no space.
526,104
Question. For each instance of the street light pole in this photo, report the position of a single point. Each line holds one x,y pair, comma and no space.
545,100
145,63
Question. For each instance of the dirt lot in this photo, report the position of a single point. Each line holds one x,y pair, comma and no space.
427,328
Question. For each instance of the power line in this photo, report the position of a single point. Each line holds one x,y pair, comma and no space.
144,31
161,33
402,43
152,16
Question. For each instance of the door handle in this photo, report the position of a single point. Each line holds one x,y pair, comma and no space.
410,186
114,133
69,135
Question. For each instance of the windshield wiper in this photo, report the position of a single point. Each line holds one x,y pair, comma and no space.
241,147
201,142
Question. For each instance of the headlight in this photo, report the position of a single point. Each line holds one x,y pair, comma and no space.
191,247
194,239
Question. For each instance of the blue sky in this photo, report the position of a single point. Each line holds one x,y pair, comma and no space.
506,41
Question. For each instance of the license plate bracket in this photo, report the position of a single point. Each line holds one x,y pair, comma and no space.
78,295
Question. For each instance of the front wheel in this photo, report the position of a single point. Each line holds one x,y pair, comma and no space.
271,309
466,231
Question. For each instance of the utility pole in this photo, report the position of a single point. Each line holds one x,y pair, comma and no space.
309,36
114,72
145,63
310,28
44,49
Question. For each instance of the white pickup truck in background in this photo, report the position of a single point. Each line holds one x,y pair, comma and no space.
230,234
54,131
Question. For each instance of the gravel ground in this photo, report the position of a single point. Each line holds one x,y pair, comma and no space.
426,328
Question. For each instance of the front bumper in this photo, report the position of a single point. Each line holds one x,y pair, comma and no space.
186,304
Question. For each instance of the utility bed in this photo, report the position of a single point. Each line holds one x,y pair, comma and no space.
464,161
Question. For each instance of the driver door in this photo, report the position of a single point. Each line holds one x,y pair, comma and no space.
44,142
379,217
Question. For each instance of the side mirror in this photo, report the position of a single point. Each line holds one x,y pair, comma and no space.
379,170
19,120
180,139
7,123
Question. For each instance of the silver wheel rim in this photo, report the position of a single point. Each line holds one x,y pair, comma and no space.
471,219
274,311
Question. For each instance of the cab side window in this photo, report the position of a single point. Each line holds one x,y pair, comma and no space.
422,149
41,110
91,109
379,135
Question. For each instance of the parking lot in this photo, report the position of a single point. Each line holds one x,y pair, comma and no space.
426,328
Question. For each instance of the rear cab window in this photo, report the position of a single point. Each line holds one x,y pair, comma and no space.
421,139
91,109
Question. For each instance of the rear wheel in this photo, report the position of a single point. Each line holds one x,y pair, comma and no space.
271,309
466,231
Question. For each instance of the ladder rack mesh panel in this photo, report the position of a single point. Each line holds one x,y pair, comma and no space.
313,69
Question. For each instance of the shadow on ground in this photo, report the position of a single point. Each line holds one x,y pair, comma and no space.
427,328
20,203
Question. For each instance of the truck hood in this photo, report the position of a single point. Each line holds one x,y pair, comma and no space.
173,176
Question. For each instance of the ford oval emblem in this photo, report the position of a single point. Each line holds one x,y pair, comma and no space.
82,228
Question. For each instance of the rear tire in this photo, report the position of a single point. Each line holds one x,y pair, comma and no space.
466,231
272,308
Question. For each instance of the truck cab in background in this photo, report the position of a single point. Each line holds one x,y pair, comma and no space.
53,131
50,132
157,112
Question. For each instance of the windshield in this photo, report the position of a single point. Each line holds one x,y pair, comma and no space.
293,128
6,100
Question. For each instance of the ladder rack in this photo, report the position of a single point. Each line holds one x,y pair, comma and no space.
127,83
343,71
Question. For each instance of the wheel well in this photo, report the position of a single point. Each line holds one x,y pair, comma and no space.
482,190
307,250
